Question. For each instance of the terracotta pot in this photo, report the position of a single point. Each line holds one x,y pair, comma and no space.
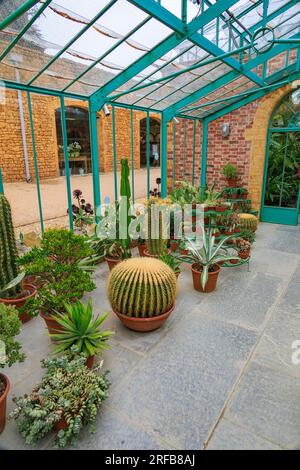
52,325
144,324
3,398
142,247
61,425
220,208
112,262
244,196
184,252
90,362
211,282
231,183
174,246
18,303
233,261
149,255
244,254
234,196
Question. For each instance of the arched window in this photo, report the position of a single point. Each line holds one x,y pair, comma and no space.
281,185
78,133
154,142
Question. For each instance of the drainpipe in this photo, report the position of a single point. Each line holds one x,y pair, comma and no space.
21,113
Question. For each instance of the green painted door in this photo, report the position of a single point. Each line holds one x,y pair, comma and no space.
281,194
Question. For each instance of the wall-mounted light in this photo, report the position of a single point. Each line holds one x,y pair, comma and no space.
106,110
175,120
225,129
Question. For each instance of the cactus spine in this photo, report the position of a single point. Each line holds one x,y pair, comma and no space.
248,221
155,242
8,248
141,287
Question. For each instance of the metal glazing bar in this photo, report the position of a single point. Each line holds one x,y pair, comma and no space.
184,11
174,155
132,153
66,157
17,13
283,168
148,151
114,137
35,160
287,41
74,39
95,160
42,91
130,106
184,149
209,3
1,183
194,151
23,30
204,154
164,156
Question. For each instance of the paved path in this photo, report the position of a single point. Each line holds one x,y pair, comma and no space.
218,375
23,196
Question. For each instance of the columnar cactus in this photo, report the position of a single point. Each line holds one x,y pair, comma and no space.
8,248
141,287
155,242
248,221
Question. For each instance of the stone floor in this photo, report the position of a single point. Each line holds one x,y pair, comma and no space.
218,375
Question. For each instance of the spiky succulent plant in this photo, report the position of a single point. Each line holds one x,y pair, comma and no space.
248,221
142,287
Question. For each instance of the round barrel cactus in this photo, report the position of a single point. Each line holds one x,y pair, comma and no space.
142,287
248,221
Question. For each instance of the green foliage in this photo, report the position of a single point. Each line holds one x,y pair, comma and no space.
142,287
212,197
230,171
81,330
171,261
69,391
186,193
10,326
248,235
9,276
208,253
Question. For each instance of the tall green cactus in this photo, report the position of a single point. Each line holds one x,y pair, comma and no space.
8,250
142,287
156,245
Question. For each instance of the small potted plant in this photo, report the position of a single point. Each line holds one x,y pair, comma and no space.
248,235
82,211
230,172
142,293
74,149
80,329
68,397
10,352
13,291
172,262
205,259
244,247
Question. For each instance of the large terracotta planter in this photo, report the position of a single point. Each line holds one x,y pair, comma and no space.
144,324
142,247
149,255
112,262
51,324
18,303
211,282
3,398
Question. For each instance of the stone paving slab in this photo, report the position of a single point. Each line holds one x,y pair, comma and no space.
230,436
267,403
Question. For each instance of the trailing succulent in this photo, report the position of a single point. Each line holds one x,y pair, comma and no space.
142,287
70,393
10,326
9,274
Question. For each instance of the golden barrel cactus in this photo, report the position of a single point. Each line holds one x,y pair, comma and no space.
248,221
142,288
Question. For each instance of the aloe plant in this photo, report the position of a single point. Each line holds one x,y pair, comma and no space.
79,329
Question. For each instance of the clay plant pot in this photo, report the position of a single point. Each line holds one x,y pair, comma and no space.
18,303
144,324
211,282
112,262
244,254
149,255
174,246
51,324
232,183
90,362
61,425
221,208
233,261
234,196
142,247
3,398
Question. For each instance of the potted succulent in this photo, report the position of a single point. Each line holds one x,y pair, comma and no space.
142,293
172,262
74,149
10,352
115,253
82,211
248,235
244,247
68,397
247,221
230,172
205,259
212,198
81,330
13,290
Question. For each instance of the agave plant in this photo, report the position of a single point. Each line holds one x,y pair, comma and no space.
207,254
79,329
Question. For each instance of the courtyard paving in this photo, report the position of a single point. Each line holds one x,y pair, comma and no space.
218,375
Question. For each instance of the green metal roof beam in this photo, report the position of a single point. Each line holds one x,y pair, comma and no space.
197,95
17,13
163,47
23,30
180,72
74,39
287,41
42,91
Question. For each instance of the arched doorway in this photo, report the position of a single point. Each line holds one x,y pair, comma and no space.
281,195
78,140
153,146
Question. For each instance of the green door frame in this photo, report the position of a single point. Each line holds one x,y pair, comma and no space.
276,214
